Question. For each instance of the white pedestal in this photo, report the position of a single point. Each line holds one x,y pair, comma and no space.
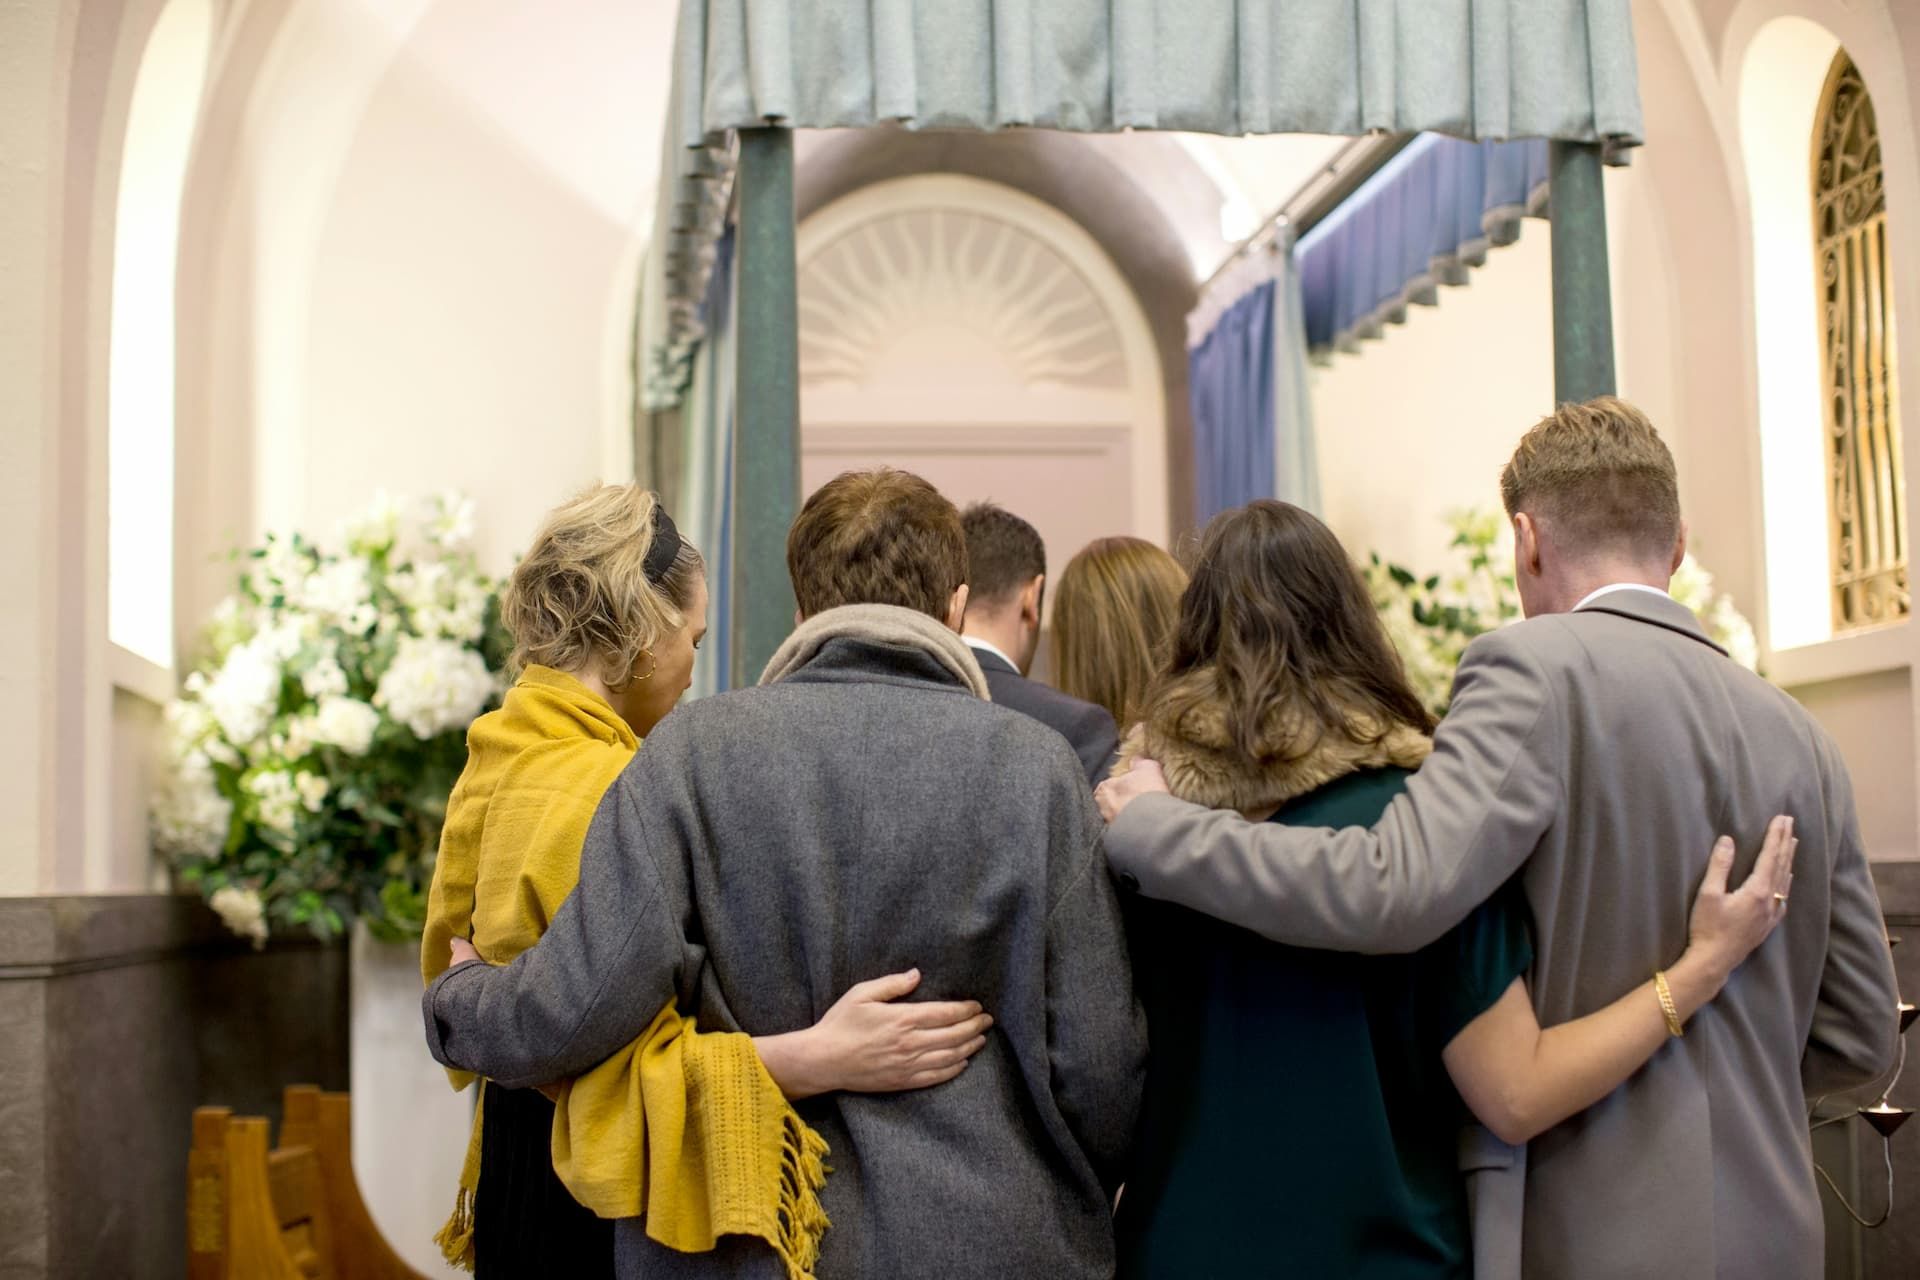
409,1126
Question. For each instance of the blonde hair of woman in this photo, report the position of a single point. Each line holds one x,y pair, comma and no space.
1113,619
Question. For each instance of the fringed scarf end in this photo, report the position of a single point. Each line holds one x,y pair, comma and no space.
803,1220
456,1238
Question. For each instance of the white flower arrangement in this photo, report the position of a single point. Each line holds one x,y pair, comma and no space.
1431,621
309,758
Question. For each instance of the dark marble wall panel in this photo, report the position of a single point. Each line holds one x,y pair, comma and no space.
118,1016
23,1086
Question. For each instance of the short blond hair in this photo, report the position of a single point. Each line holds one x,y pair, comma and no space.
1599,476
580,599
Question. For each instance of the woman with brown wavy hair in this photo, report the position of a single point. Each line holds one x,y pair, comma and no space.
1113,614
1303,1108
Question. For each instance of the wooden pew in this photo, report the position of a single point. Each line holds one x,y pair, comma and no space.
324,1121
290,1213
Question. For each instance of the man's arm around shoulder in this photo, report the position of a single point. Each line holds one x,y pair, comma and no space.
1469,819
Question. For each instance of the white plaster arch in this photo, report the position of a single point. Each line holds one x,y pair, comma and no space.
1027,275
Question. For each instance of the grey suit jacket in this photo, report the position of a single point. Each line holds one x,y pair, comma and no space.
1602,752
1088,729
769,848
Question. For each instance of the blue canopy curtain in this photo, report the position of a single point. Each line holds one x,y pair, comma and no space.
1425,219
1247,385
1428,217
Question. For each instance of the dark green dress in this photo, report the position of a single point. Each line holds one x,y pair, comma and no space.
1298,1121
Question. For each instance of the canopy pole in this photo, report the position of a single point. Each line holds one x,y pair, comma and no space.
766,455
1582,290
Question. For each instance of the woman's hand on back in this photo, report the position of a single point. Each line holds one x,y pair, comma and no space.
1727,925
873,1041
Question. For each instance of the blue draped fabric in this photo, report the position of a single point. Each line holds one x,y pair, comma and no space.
1424,220
1231,386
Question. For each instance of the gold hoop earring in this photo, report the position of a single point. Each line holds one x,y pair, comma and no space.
653,667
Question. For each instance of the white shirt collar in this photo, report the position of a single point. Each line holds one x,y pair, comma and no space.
1612,587
993,649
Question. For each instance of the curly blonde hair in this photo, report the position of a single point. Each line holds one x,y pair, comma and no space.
580,599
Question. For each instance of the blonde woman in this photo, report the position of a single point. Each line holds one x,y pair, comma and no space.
1113,616
607,612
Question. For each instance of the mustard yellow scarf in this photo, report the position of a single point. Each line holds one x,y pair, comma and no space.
686,1129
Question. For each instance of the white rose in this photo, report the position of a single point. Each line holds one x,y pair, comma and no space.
346,723
243,912
435,686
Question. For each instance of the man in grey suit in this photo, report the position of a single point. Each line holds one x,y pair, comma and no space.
1007,582
1597,749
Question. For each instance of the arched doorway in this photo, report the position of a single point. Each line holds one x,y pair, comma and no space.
977,336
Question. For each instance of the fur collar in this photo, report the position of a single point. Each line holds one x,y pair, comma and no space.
880,624
1293,757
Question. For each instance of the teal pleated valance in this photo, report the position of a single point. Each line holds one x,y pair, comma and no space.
1471,68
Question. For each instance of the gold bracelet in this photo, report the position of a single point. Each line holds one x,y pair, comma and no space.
1666,1003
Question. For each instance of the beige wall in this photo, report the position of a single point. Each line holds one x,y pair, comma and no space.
1418,425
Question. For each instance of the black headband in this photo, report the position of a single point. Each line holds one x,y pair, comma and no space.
665,548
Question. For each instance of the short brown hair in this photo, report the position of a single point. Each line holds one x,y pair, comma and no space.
1113,618
1600,477
1004,553
580,600
877,537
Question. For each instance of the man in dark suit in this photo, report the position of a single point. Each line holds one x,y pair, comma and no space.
1007,580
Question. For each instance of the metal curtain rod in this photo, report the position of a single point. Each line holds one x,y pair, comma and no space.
1320,194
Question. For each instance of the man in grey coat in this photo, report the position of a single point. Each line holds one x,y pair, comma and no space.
770,847
1597,749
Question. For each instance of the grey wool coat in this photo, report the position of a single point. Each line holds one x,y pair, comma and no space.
769,848
1599,754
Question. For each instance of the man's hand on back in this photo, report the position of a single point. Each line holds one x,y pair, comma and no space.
1115,794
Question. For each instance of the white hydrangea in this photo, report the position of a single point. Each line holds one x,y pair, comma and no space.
434,686
325,678
276,801
1694,587
190,816
341,592
243,912
244,694
346,723
313,790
